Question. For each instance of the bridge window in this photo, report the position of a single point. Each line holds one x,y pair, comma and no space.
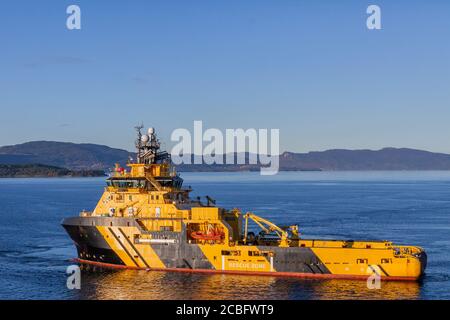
126,183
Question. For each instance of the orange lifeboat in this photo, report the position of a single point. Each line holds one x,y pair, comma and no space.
210,235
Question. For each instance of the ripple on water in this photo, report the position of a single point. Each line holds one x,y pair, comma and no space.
409,208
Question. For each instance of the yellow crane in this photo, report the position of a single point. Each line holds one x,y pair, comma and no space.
268,226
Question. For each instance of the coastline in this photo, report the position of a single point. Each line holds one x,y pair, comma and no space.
44,171
207,172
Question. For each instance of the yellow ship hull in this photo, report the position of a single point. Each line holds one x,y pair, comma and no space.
118,243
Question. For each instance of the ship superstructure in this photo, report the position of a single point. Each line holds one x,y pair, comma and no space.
146,219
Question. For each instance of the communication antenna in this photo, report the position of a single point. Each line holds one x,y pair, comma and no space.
139,141
148,146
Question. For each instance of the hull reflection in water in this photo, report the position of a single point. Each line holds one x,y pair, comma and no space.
104,284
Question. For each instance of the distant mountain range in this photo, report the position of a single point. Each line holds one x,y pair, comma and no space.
98,157
73,156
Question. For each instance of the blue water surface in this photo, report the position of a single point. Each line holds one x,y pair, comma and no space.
406,207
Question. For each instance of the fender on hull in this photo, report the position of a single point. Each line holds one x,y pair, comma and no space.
299,275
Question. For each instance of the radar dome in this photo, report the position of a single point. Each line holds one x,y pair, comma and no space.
151,131
145,138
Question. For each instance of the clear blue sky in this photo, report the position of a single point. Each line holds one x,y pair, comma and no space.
310,68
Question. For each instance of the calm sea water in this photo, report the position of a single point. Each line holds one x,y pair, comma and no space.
405,207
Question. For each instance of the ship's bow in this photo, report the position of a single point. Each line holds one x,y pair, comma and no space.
90,243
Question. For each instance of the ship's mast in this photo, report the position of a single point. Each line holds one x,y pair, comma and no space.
147,146
138,142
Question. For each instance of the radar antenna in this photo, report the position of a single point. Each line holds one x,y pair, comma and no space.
148,146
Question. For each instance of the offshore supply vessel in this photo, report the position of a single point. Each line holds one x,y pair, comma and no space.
145,219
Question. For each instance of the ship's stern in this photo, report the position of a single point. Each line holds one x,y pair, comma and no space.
416,260
423,259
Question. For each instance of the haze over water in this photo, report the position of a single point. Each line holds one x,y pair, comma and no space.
406,207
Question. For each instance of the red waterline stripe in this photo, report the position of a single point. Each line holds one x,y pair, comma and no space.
249,273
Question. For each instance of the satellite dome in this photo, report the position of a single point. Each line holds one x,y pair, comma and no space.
145,138
151,131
